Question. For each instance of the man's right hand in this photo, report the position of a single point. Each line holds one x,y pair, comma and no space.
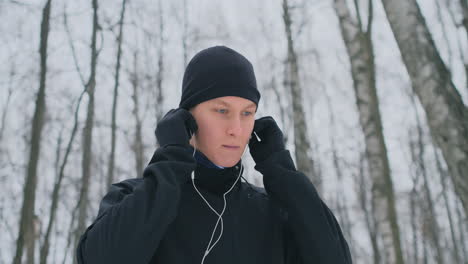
176,128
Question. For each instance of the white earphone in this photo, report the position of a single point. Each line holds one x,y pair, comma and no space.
220,215
258,138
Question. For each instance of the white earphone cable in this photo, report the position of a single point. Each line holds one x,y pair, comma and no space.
220,215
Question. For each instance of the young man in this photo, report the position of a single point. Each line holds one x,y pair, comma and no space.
191,206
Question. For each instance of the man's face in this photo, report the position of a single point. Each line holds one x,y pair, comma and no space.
224,128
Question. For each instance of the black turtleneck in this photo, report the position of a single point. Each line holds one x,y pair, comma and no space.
210,177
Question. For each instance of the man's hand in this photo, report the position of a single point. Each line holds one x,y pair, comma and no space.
176,128
271,139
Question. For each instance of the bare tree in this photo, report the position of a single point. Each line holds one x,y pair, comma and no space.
423,226
360,50
443,178
82,204
110,169
366,205
462,230
446,114
26,231
418,148
11,74
185,33
464,9
301,140
137,146
340,199
44,252
455,20
274,84
58,184
413,201
160,73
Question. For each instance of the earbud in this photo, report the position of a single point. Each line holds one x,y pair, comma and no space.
258,138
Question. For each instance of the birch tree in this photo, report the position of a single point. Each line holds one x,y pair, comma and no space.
137,145
364,200
464,10
340,199
82,205
446,114
5,109
360,50
26,234
110,169
418,149
185,33
457,249
301,140
160,72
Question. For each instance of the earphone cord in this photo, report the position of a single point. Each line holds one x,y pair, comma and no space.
220,215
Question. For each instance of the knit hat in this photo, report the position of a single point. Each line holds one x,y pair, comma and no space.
216,72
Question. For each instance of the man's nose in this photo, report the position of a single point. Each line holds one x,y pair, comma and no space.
235,127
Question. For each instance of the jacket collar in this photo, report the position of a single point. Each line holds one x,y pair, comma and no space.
212,178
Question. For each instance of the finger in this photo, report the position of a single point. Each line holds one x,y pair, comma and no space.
189,121
262,123
191,124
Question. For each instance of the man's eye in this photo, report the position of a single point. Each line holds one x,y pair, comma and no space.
224,111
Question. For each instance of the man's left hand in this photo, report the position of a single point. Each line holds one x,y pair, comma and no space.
271,138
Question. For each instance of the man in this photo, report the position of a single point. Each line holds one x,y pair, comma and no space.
191,206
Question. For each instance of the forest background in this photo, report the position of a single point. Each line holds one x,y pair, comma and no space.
370,94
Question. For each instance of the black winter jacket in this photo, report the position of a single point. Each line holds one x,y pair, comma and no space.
161,219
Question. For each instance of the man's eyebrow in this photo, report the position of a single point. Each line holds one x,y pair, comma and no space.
219,101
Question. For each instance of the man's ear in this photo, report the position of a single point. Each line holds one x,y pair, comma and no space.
192,140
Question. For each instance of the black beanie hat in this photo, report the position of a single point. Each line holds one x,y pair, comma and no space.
216,72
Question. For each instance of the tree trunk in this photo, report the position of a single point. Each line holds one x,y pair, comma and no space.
342,209
44,251
462,231
160,73
413,219
454,19
301,141
464,7
446,114
417,153
7,104
110,169
138,139
26,228
360,51
443,177
56,191
31,243
185,33
88,134
366,207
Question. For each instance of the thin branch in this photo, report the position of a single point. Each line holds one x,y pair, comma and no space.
370,17
358,13
72,46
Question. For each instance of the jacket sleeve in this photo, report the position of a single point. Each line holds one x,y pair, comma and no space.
133,218
313,228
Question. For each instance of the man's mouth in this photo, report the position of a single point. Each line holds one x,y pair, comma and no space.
231,147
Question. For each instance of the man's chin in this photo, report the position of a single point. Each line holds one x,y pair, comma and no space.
228,163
